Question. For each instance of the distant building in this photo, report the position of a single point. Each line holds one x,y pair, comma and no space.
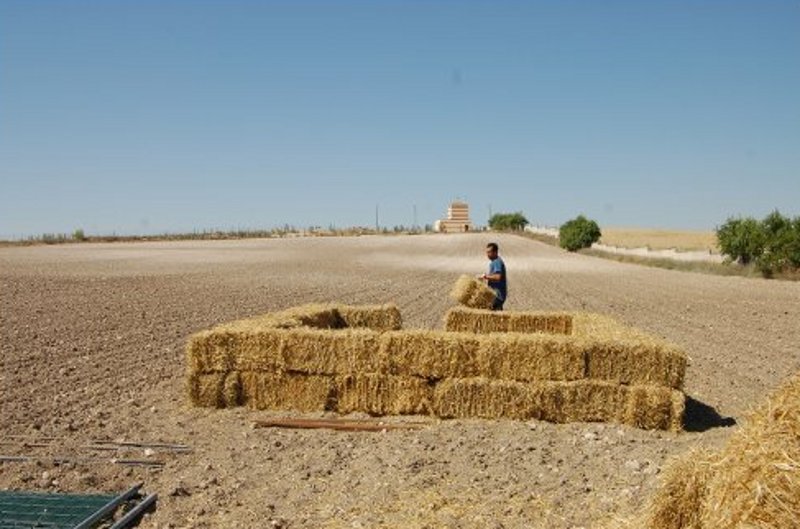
457,220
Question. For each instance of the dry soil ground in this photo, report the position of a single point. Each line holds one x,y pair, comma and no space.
92,339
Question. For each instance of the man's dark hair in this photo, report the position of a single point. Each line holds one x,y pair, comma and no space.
493,246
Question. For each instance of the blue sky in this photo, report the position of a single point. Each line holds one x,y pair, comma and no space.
165,116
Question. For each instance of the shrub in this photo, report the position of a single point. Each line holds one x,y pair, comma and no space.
741,239
508,221
78,235
578,233
773,244
782,244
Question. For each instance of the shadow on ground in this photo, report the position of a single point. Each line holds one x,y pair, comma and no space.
700,417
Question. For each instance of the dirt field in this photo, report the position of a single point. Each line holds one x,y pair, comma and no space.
92,348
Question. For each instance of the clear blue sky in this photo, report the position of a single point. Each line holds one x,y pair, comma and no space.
156,116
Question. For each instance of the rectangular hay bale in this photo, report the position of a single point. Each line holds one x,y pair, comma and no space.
210,352
654,408
635,362
383,395
484,321
578,401
215,390
480,397
332,352
472,292
528,357
374,317
274,391
646,407
430,354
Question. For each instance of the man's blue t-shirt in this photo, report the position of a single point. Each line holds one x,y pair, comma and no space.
497,266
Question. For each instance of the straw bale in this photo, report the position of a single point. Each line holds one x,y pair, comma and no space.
431,354
654,408
222,350
575,401
274,391
602,327
482,397
315,315
472,292
214,390
383,395
635,362
756,482
210,352
483,321
579,401
259,350
206,390
679,499
753,481
529,357
332,352
376,317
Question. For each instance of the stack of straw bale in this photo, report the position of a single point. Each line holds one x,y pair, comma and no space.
753,481
472,292
566,367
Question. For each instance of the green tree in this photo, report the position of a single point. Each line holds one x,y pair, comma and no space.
781,244
508,221
578,233
741,239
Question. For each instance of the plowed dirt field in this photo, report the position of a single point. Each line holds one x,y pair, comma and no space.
92,337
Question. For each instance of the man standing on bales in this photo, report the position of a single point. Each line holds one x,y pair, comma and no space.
496,278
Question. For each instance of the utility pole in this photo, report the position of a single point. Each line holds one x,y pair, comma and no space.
377,228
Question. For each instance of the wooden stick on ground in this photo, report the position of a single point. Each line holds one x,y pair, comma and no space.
347,425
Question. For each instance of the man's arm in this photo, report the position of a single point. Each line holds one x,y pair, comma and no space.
495,272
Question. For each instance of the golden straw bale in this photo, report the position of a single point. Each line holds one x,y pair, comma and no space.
472,292
210,352
529,357
222,350
753,481
315,315
258,350
482,397
485,321
273,391
756,482
430,354
602,327
375,317
635,362
332,352
575,401
578,401
678,501
206,390
654,408
550,323
232,390
383,395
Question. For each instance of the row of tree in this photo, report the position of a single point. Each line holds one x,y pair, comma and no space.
573,235
772,244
